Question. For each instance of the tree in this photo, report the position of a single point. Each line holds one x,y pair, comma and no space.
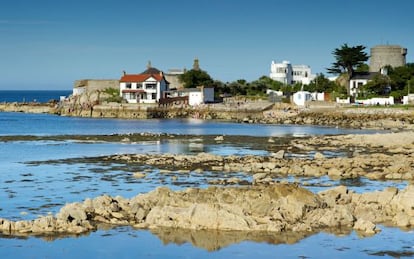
400,75
378,86
348,59
260,86
363,68
320,84
193,78
402,80
270,83
236,88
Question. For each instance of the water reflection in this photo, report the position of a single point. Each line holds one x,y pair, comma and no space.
209,240
213,240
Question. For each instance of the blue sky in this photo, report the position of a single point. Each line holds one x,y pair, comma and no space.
48,44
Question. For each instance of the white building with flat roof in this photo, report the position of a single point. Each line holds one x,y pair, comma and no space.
291,74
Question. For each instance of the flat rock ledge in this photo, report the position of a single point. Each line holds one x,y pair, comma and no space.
273,208
375,166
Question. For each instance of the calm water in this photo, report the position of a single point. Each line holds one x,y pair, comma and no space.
45,124
32,95
30,187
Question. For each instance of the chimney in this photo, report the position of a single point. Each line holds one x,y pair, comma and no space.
123,72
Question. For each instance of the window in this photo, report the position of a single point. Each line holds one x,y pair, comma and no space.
139,85
128,85
153,96
129,96
151,86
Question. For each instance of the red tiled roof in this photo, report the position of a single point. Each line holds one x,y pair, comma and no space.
140,77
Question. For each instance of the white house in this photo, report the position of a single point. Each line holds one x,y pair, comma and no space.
193,96
147,87
300,98
302,74
281,72
291,74
358,80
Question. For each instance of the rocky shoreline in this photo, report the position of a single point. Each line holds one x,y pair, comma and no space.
261,205
28,107
248,112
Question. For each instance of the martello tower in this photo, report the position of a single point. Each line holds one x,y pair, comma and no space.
383,55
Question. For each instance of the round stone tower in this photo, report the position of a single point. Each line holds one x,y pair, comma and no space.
383,55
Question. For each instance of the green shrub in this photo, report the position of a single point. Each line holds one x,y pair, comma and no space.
113,95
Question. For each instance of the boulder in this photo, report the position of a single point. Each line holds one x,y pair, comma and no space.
219,138
139,175
404,201
258,177
366,226
310,170
318,155
339,215
334,173
402,220
336,196
70,212
279,154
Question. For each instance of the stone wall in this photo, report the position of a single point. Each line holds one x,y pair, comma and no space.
96,84
174,81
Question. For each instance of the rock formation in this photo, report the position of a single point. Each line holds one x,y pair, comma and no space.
268,208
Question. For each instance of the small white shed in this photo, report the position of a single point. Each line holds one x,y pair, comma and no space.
300,98
200,95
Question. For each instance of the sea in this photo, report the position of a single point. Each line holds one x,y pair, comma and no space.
23,96
38,176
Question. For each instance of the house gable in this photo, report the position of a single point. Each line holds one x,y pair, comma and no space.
152,79
140,78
